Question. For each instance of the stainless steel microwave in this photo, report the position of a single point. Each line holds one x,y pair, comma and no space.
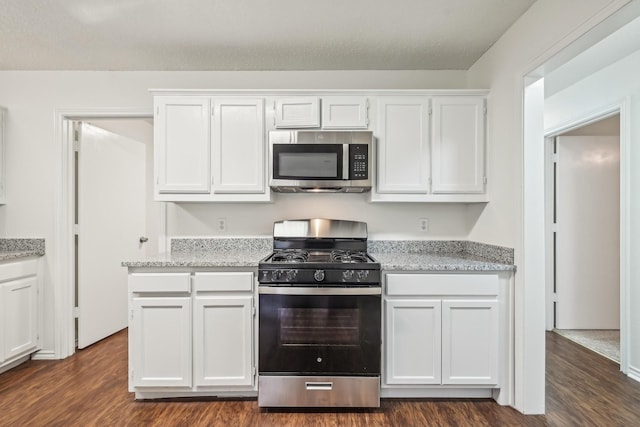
320,161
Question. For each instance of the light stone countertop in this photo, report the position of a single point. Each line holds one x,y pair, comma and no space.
13,249
392,255
399,261
201,258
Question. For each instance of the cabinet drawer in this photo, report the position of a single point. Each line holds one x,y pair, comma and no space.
159,282
17,269
442,284
233,282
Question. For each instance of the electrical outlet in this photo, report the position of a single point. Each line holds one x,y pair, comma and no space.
222,224
423,224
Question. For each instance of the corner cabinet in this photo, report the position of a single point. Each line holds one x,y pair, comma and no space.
19,312
192,334
431,149
444,335
209,149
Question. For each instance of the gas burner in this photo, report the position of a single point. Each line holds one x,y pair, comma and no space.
348,256
290,255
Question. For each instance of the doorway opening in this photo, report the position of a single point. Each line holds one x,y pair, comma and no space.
115,218
584,163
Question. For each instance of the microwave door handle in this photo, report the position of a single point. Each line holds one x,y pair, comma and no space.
345,162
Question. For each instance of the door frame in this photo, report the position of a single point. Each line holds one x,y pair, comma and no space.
622,108
64,218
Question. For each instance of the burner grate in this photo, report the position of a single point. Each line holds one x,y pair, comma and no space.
348,256
290,255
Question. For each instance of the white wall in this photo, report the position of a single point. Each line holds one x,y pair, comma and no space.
33,150
613,85
544,30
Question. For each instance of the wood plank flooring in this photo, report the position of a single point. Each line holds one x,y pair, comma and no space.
90,389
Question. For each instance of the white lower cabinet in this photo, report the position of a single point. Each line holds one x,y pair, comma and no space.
441,330
161,342
191,333
19,313
223,329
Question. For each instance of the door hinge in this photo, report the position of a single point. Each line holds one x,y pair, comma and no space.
430,110
253,311
484,180
75,312
554,227
254,371
76,229
554,158
76,145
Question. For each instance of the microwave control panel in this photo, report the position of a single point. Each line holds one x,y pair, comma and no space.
358,161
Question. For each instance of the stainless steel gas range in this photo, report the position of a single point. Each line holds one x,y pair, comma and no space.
319,317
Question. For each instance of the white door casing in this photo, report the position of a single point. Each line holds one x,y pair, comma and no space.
111,220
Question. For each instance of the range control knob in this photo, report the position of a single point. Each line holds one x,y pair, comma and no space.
291,275
275,275
362,275
347,275
319,275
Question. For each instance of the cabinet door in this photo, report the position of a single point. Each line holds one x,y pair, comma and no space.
182,144
412,341
298,112
470,342
20,300
223,337
458,144
160,342
345,112
403,145
238,146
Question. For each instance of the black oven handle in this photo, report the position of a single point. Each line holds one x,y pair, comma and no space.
290,290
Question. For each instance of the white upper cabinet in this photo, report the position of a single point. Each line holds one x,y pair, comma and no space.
431,149
3,190
297,112
238,145
345,112
210,149
181,144
403,145
458,144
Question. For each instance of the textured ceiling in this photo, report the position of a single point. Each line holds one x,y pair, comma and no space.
251,34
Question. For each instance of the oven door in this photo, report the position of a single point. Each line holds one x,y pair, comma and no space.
319,331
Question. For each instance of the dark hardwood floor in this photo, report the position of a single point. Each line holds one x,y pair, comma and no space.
90,389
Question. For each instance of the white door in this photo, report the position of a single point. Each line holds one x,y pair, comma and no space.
111,202
588,232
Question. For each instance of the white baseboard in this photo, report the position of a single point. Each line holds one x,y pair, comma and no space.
633,373
45,355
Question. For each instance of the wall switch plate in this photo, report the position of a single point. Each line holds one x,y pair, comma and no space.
423,224
222,224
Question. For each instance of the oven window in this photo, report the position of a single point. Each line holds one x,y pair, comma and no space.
308,165
319,327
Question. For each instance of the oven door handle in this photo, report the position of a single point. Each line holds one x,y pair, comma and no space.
300,290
